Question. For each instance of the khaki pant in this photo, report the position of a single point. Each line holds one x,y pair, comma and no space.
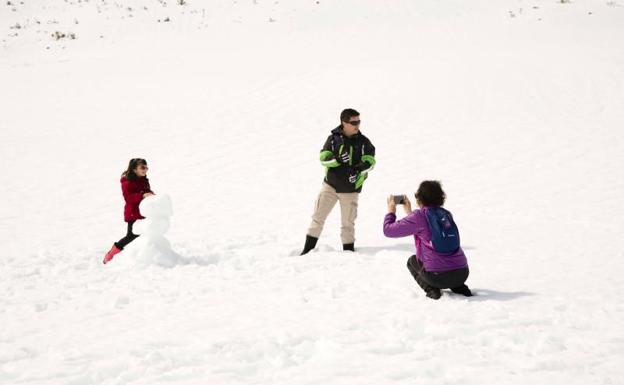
324,204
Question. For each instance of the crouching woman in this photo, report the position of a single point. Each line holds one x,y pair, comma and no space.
433,267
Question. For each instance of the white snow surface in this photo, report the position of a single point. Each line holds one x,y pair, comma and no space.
515,105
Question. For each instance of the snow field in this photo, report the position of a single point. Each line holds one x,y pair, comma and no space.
519,116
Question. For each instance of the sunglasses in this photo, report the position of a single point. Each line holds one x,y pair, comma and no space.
143,167
355,122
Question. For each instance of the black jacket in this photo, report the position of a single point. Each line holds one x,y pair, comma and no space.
347,160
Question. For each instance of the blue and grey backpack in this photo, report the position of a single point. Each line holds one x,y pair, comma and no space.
444,232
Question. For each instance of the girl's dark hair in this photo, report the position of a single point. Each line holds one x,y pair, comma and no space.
347,114
430,193
134,163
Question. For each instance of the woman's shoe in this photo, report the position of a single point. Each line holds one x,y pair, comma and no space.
434,293
463,290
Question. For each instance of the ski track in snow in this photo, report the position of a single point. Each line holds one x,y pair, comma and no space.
515,106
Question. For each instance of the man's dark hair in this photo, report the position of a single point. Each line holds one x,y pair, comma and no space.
430,193
347,114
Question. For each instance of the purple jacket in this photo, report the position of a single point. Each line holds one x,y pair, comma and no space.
416,224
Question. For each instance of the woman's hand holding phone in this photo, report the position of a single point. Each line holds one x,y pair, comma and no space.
391,205
394,200
407,205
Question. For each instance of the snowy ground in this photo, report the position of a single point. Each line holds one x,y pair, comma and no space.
515,105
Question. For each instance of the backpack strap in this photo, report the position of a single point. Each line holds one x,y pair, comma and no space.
428,243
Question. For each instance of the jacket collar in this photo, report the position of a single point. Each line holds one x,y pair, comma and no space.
338,131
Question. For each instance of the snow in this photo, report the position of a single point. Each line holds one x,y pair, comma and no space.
515,105
152,247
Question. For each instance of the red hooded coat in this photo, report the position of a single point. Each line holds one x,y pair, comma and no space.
133,191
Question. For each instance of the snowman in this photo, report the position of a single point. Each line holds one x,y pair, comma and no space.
152,247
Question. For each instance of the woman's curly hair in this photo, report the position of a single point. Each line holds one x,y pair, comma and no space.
430,193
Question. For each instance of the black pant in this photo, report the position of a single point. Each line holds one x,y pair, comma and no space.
130,236
428,279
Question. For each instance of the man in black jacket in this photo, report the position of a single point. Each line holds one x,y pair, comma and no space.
348,157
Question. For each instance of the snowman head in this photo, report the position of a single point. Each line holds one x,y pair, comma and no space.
156,206
157,210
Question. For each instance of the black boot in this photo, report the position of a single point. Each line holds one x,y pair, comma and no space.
348,246
463,289
309,244
434,293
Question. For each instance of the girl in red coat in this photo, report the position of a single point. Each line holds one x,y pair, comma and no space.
134,186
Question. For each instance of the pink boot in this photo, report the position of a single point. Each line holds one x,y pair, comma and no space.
111,253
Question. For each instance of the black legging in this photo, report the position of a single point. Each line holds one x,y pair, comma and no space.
427,279
130,236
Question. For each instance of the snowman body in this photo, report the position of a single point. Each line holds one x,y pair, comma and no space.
152,247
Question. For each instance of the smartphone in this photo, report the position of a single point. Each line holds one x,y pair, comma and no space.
399,199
